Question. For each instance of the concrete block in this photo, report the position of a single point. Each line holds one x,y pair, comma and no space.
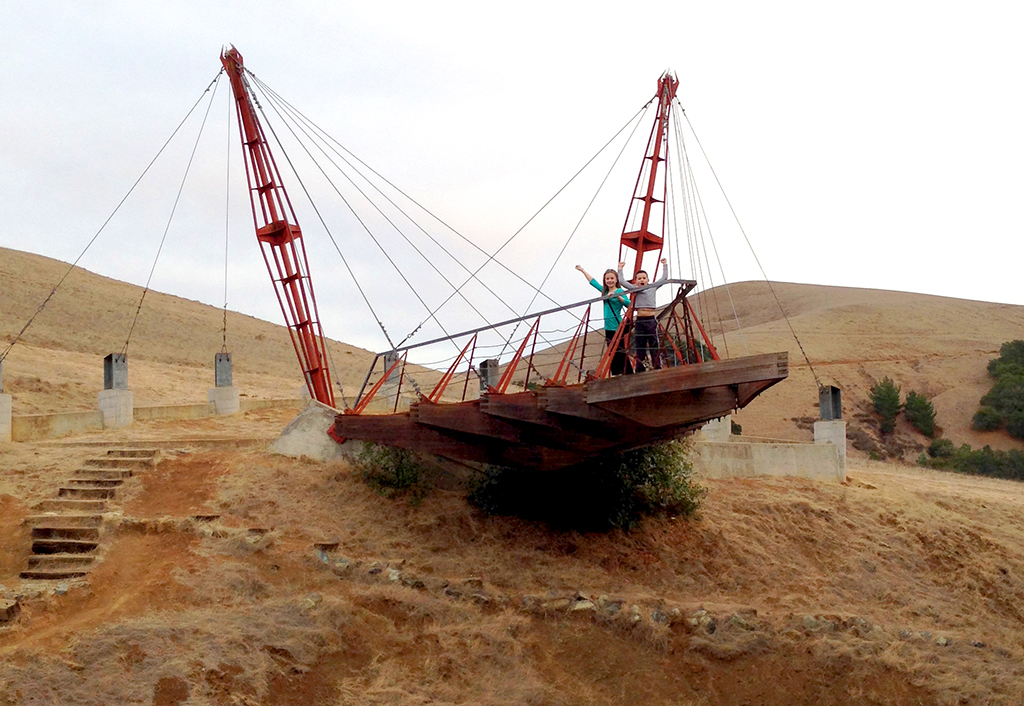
306,435
225,399
222,376
115,372
718,430
740,459
833,432
175,411
117,408
32,427
6,405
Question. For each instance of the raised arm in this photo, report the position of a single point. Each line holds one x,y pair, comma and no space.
585,273
623,282
664,272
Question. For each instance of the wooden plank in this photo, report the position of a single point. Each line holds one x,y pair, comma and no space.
569,401
675,408
770,366
518,407
466,418
399,430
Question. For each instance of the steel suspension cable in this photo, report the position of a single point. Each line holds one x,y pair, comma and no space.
323,136
398,230
714,246
330,235
170,217
545,205
580,221
752,252
103,226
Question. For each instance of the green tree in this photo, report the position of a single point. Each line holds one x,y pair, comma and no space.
885,395
920,413
987,419
1010,360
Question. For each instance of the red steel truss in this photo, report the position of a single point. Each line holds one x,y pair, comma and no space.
642,240
280,238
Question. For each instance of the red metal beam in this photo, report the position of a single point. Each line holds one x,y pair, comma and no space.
277,230
643,240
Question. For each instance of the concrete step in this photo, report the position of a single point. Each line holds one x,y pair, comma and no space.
93,482
132,453
83,533
104,473
60,561
65,520
118,462
64,546
71,506
86,493
54,574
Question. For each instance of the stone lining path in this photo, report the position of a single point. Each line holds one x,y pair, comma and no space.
66,532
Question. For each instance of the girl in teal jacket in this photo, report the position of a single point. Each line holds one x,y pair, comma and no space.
615,300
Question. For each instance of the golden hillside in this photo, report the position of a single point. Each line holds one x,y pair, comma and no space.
58,366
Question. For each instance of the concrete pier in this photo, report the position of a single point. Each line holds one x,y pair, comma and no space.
718,430
833,432
224,396
116,401
117,408
6,405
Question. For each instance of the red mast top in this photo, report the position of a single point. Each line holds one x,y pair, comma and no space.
642,240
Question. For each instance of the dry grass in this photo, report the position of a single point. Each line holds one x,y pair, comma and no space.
835,586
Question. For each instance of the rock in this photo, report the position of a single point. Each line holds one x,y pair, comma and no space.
473,583
634,614
481,599
558,604
322,556
530,602
311,601
583,605
452,592
61,588
906,634
943,641
610,606
810,622
306,435
341,566
925,635
413,582
659,616
9,610
394,575
978,644
375,568
738,621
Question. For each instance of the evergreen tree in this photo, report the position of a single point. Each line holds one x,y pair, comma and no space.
920,413
885,396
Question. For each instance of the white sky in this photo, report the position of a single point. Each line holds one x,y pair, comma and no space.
873,144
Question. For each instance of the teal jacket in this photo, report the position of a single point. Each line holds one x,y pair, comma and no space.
613,306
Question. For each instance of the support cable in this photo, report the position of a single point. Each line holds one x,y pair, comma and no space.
379,211
326,137
538,212
227,213
315,133
756,259
309,197
576,228
170,217
103,226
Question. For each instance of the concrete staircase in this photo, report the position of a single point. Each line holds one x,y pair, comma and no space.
66,532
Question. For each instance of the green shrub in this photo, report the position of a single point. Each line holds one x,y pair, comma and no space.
1010,360
609,492
736,429
920,413
1007,395
391,471
987,462
886,398
1015,424
941,448
987,419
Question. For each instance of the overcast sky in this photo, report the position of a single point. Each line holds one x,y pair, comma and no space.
871,144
